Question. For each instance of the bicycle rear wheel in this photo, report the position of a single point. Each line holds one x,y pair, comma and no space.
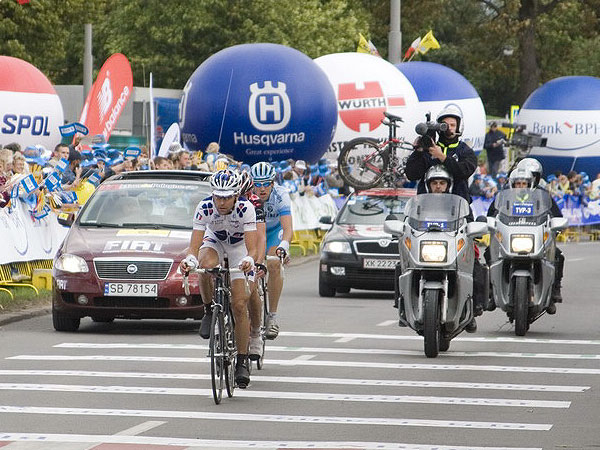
230,353
362,163
217,355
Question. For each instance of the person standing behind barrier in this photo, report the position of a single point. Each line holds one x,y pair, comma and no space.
455,155
61,151
494,147
278,218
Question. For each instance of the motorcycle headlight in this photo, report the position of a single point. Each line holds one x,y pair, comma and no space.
337,247
521,243
433,251
71,263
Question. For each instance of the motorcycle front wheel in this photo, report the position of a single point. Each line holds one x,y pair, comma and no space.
521,306
431,322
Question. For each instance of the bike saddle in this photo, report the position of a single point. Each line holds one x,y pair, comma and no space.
392,117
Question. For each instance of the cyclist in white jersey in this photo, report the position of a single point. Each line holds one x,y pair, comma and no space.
278,219
224,223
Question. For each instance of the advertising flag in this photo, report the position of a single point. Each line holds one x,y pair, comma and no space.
108,96
428,42
412,49
365,46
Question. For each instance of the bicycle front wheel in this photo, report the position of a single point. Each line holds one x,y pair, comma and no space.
262,293
362,163
217,350
231,353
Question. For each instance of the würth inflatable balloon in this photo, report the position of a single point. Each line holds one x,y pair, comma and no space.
30,109
566,110
260,102
438,86
366,86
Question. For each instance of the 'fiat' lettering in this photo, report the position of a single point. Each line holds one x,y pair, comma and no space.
132,246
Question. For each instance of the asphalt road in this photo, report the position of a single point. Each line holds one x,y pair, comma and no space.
341,375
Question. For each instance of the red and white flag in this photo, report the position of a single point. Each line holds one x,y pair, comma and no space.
413,47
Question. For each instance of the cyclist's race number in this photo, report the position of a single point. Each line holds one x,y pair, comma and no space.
131,289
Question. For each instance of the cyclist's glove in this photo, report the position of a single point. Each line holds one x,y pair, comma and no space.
282,249
191,261
261,268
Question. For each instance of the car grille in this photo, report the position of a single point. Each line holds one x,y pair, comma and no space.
131,302
373,248
381,278
146,269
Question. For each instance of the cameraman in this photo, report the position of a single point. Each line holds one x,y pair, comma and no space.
456,156
494,147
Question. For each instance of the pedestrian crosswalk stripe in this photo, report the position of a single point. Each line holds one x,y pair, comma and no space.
150,390
278,418
305,380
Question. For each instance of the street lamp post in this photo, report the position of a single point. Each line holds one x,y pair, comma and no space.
395,36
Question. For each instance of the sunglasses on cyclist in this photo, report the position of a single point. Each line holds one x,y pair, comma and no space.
263,183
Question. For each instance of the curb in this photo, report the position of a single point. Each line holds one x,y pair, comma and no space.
17,316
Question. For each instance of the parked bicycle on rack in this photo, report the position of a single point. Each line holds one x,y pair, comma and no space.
365,162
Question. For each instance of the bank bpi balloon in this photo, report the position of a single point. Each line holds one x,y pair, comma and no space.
260,102
566,110
366,86
30,109
437,87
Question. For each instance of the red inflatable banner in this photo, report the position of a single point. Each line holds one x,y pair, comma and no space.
108,96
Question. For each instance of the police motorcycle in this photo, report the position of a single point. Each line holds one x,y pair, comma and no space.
435,287
522,252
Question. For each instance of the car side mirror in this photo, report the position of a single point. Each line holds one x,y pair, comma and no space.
327,220
559,223
394,227
66,219
476,229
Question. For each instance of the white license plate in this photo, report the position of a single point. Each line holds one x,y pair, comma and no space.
131,289
370,263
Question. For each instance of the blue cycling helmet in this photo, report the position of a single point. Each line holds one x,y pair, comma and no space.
263,171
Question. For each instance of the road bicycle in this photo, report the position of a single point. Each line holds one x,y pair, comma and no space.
221,348
365,162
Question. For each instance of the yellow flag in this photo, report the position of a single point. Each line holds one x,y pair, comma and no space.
363,45
427,43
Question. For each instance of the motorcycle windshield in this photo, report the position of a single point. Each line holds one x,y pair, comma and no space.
523,206
436,212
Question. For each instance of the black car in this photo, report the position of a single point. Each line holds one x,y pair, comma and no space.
356,253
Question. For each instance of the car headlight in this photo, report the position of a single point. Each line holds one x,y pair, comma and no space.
433,251
521,243
337,247
71,263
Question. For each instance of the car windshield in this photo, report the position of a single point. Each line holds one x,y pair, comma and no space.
523,206
138,204
439,212
371,210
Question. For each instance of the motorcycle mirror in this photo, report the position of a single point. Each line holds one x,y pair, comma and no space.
491,222
476,229
559,223
394,227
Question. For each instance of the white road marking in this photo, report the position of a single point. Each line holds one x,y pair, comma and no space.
296,362
141,428
228,444
344,340
304,380
98,389
387,323
279,418
356,351
575,259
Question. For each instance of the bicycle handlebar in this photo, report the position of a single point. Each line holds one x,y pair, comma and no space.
214,271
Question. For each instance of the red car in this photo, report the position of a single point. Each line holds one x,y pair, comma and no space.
120,257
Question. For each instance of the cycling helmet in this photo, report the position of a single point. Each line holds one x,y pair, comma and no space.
263,171
436,173
245,182
452,111
534,167
225,183
521,174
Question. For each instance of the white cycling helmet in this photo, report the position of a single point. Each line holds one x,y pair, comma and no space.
520,174
534,167
225,183
452,111
246,182
263,171
438,173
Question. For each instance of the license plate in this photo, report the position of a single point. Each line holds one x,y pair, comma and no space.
369,263
131,289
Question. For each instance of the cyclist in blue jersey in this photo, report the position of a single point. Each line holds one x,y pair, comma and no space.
278,218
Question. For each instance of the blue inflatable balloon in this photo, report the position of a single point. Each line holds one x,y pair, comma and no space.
260,102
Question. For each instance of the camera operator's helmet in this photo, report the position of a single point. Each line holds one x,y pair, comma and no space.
225,183
245,182
452,111
534,167
521,174
438,173
263,171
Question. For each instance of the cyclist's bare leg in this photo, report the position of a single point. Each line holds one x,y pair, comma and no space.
255,310
239,305
208,258
275,281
